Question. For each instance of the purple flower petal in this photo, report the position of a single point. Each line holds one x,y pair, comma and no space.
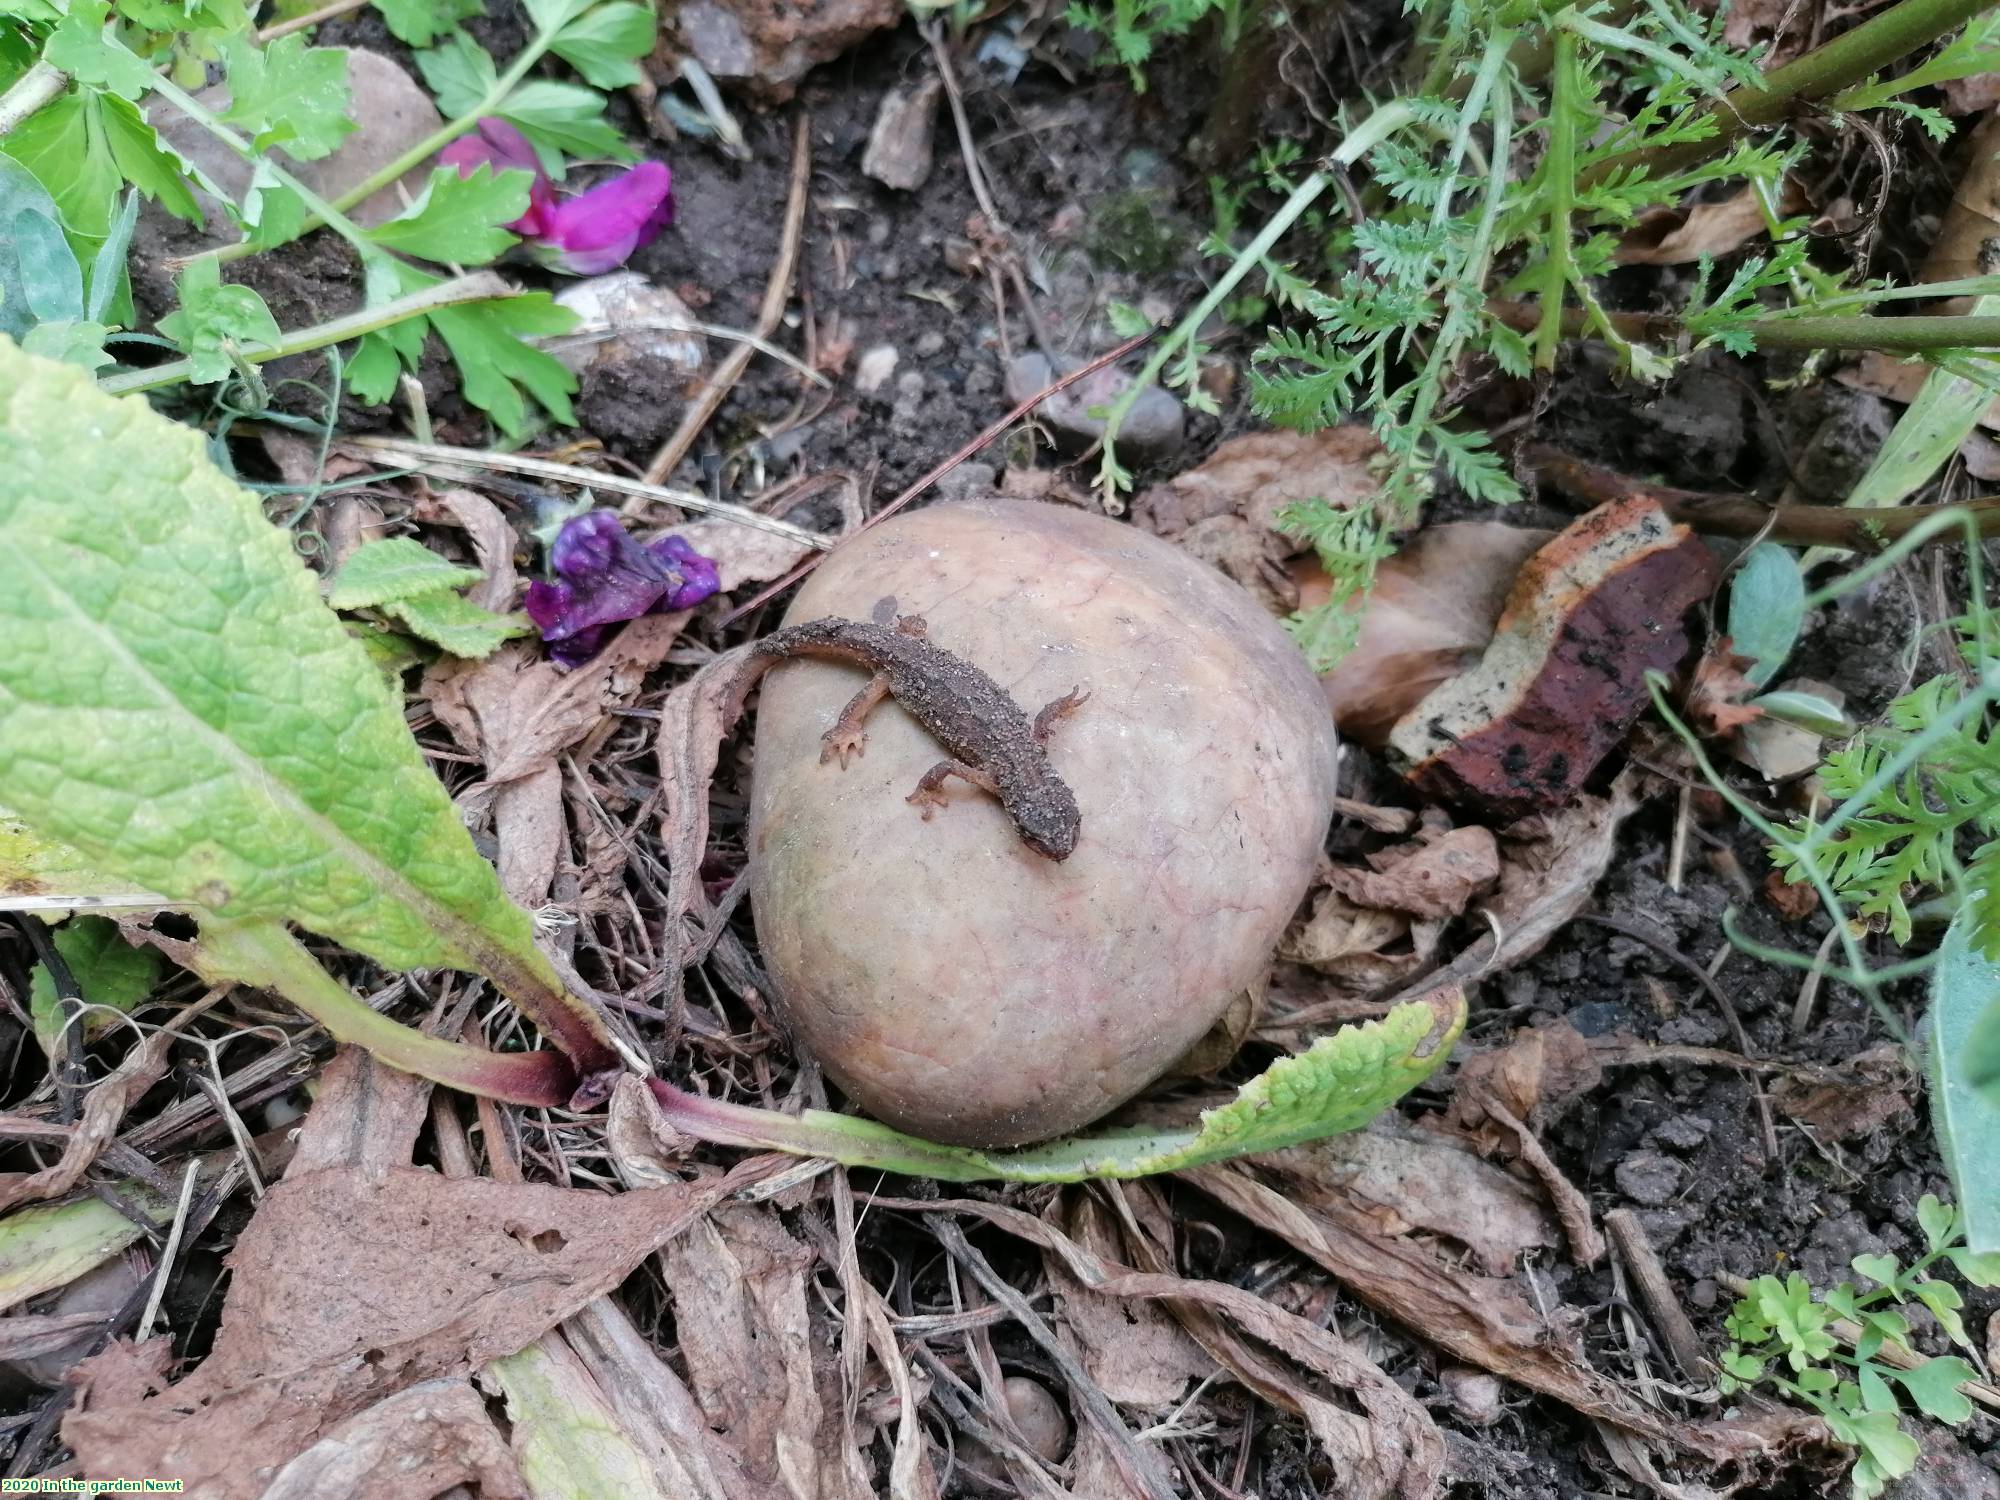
499,145
597,230
603,576
699,576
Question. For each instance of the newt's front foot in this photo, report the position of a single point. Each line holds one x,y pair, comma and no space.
840,742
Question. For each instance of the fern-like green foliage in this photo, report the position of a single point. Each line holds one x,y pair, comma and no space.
1905,792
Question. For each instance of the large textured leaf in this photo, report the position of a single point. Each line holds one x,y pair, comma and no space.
1341,1083
178,705
1965,1007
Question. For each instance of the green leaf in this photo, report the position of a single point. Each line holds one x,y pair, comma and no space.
1341,1083
460,73
42,874
1882,1268
108,282
64,145
605,43
1875,1392
1981,1269
108,971
458,219
179,706
1934,1387
216,319
288,94
80,48
495,367
40,281
1944,1301
74,342
1126,320
457,625
1965,987
1767,607
550,15
144,161
1937,1220
396,567
1888,1447
421,22
51,1244
1807,710
564,117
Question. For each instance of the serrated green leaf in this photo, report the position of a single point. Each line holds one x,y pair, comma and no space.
144,161
1965,986
395,567
63,144
421,22
289,95
216,319
459,219
1126,320
564,117
78,46
460,73
1340,1083
178,705
605,43
457,625
1767,607
1934,1387
108,971
272,213
495,366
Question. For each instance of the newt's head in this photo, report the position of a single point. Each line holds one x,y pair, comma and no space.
1047,820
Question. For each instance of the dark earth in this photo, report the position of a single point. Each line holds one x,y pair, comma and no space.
1108,189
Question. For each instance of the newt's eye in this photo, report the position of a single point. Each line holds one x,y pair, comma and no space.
603,576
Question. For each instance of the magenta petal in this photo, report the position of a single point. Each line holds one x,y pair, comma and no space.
603,577
699,575
499,145
595,231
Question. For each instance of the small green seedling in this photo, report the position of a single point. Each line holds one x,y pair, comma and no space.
1784,1338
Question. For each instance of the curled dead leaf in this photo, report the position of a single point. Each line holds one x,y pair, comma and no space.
1716,699
1679,236
1429,617
1434,878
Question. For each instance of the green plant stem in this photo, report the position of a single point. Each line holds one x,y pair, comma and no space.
1559,188
1819,74
1919,335
1383,123
196,111
423,150
264,954
40,85
478,286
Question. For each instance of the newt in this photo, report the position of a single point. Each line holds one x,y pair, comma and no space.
993,743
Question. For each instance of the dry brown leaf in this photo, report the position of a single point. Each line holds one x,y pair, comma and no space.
529,826
1478,1320
1679,236
517,711
1852,1101
1351,945
1899,381
749,554
1225,510
1429,616
493,542
739,1286
1969,236
103,1111
1971,96
346,1290
1716,697
1432,879
1139,1356
1390,1449
1550,865
32,1336
417,1443
657,1411
1416,1179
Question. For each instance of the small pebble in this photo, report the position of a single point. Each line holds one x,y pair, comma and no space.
874,368
930,345
1648,1178
1153,431
1039,1416
1474,1394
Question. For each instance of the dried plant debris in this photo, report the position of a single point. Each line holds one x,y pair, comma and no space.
1565,676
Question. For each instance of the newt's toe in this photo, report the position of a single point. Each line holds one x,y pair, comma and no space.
839,744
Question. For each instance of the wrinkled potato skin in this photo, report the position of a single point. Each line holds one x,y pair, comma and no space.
956,984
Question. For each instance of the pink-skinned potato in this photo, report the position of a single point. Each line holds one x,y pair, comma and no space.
953,982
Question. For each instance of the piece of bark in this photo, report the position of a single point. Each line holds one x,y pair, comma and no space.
899,147
1565,676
